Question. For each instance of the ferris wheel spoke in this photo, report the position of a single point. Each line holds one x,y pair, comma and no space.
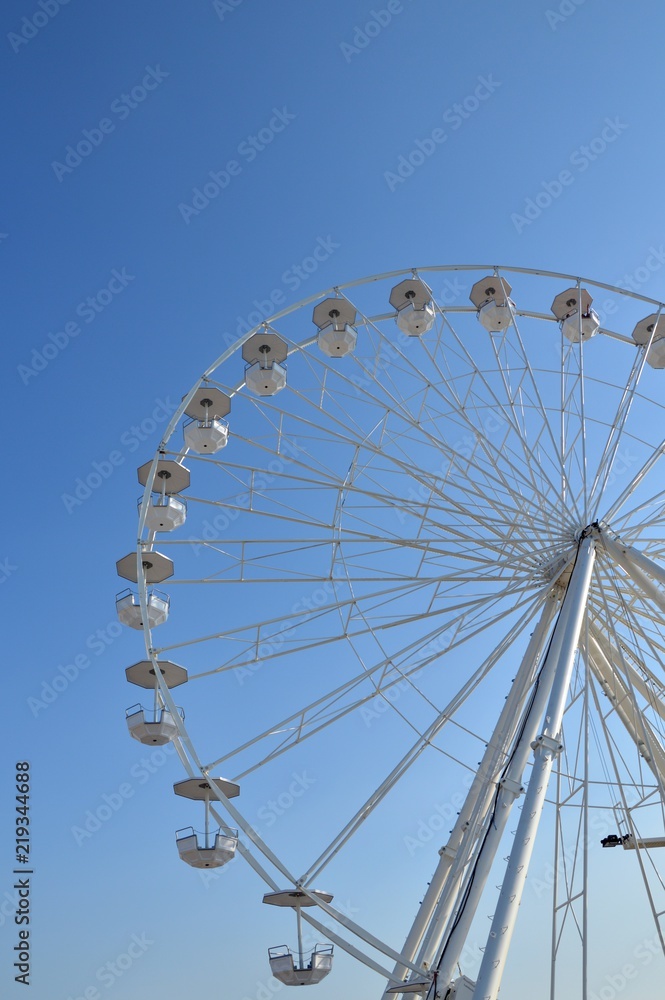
619,785
493,454
325,710
300,727
628,526
572,434
465,550
425,479
565,491
273,631
635,482
512,392
461,465
465,422
424,740
443,510
610,451
633,718
404,487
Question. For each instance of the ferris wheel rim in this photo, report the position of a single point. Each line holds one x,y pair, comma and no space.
152,652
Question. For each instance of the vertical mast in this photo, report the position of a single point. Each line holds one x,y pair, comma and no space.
559,666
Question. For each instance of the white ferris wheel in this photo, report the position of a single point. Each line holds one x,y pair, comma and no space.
414,537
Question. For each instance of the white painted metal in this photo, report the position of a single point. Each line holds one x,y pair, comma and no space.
286,971
435,909
559,664
210,851
632,843
337,341
164,514
491,519
576,328
496,316
265,380
415,322
152,728
128,607
643,735
207,437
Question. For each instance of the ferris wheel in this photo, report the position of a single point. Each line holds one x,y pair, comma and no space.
414,534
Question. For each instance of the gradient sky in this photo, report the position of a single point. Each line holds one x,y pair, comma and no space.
540,127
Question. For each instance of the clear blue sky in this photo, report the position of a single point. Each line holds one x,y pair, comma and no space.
134,284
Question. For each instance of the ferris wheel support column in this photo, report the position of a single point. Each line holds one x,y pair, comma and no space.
433,910
638,566
441,894
505,793
616,689
547,747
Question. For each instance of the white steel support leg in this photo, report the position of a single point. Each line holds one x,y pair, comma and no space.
652,690
546,747
642,734
509,789
451,857
638,566
456,854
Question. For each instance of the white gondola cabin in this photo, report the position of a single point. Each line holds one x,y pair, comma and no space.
577,319
335,319
299,968
164,513
491,297
650,332
214,847
153,727
211,849
207,432
265,375
307,970
128,607
415,308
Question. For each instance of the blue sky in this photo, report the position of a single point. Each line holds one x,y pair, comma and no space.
170,171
